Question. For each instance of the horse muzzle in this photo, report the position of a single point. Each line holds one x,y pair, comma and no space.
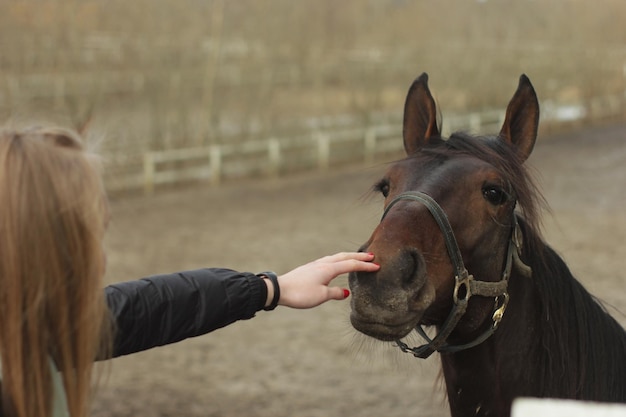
389,304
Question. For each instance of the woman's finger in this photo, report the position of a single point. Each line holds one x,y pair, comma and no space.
344,256
352,265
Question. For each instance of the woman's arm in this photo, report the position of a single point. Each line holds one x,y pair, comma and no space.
164,309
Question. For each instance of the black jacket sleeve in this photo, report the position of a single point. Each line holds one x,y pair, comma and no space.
164,309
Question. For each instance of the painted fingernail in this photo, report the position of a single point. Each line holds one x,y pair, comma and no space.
346,293
370,253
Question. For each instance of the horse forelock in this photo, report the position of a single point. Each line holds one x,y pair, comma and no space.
506,160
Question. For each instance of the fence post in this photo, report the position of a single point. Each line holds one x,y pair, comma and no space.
370,145
323,151
148,173
215,164
501,118
475,122
273,155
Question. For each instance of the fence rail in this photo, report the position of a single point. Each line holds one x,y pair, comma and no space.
323,149
269,157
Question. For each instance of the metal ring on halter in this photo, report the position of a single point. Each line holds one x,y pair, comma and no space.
465,282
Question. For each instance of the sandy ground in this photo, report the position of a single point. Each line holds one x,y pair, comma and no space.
312,363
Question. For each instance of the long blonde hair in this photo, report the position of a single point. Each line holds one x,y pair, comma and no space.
52,221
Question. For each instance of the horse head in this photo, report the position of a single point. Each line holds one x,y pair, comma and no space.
449,198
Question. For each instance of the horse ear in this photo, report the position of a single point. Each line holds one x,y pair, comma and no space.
420,116
522,119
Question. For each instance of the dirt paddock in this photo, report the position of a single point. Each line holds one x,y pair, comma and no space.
312,363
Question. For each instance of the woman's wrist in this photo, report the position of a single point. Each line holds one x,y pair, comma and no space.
270,291
273,290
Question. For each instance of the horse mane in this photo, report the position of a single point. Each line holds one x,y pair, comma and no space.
580,349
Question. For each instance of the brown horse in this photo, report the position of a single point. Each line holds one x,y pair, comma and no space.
460,250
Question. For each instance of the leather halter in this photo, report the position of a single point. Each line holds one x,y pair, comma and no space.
465,283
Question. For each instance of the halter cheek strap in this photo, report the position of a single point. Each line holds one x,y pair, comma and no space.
465,284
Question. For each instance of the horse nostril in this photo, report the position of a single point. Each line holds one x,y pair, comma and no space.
415,269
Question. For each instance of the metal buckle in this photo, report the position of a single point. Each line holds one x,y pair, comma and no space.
499,312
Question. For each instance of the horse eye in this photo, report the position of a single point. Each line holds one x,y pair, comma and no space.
382,187
495,195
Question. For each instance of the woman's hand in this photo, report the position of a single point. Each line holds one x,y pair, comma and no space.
307,285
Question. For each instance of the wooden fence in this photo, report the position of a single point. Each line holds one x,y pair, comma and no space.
323,149
320,149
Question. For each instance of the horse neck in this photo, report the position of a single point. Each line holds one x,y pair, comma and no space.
470,378
554,340
484,380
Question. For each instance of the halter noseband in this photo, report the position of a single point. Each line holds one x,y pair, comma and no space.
465,284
